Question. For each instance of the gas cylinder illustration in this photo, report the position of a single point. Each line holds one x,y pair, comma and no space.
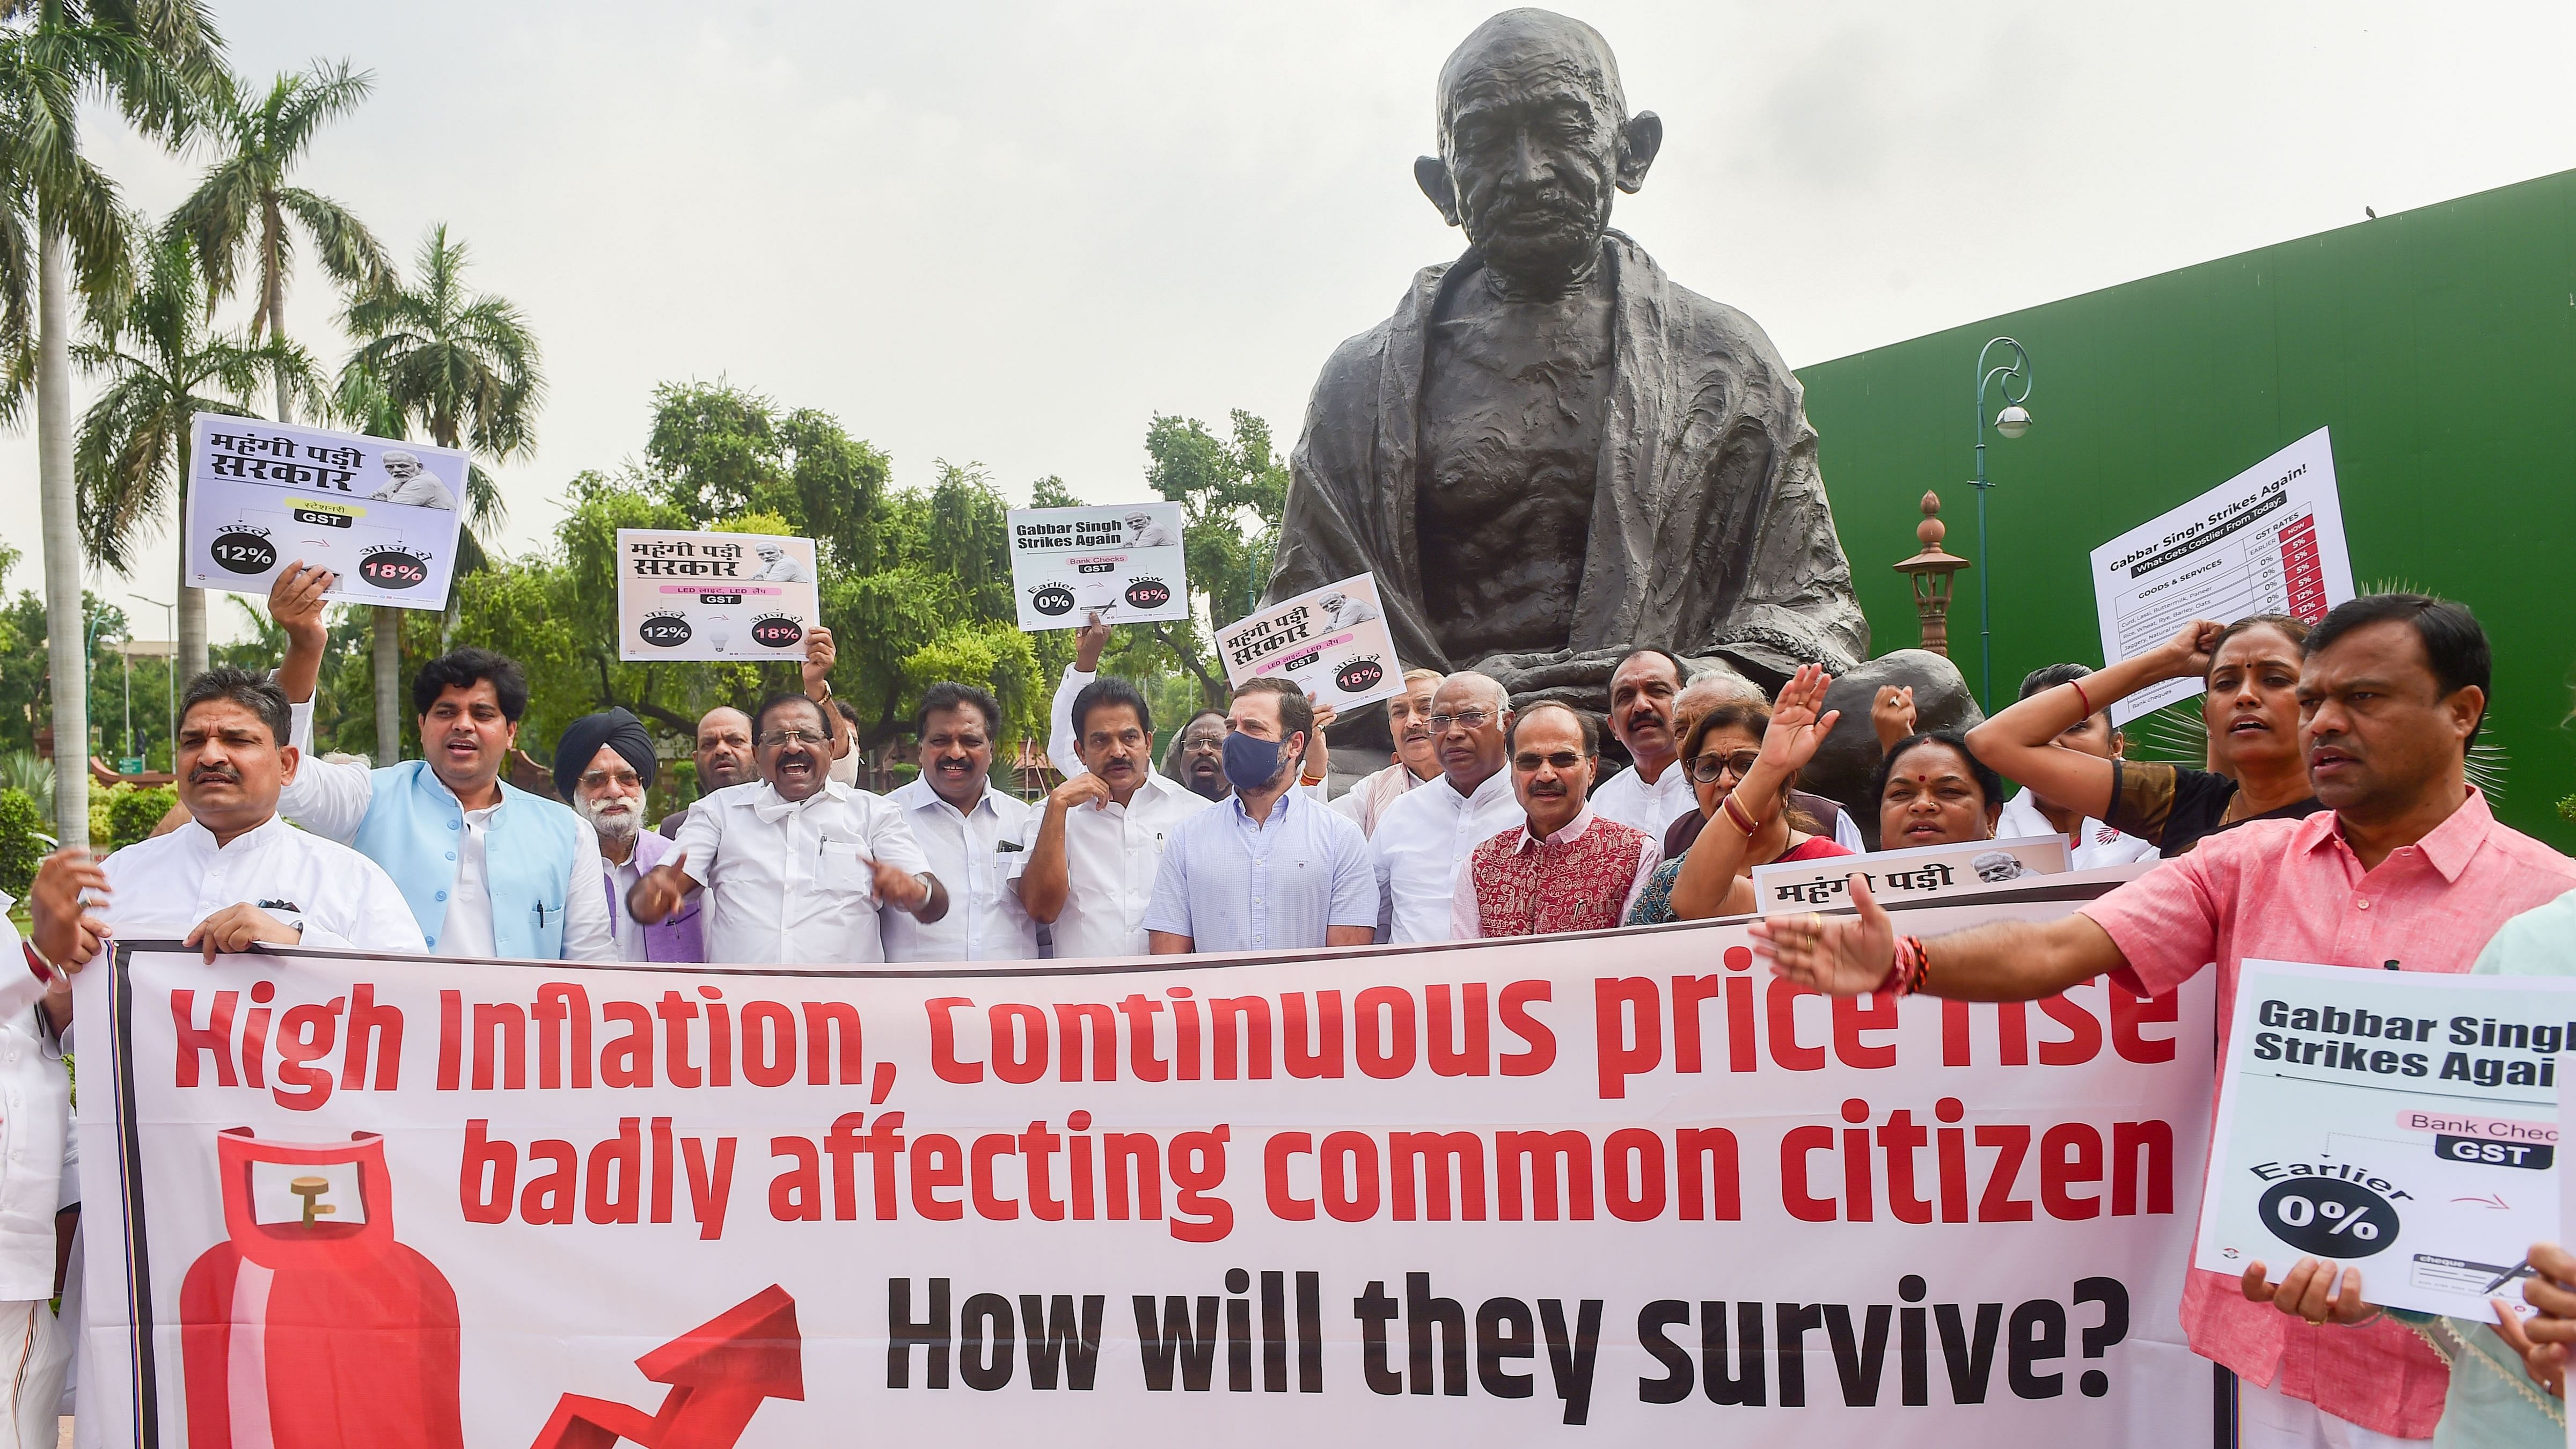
310,1327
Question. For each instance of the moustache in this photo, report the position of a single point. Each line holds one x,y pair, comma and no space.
1550,788
204,773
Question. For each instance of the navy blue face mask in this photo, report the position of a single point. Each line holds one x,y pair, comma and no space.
1250,763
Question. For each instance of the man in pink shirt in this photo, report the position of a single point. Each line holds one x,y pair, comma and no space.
2407,871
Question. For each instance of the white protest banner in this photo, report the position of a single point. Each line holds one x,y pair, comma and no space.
1909,875
382,515
2267,541
1123,562
1331,642
1467,1194
684,595
2402,1122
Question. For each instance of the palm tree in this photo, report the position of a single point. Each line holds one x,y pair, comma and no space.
130,459
152,58
463,366
244,204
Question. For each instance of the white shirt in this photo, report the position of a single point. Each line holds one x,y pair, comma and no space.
1113,853
1425,836
164,886
976,854
622,876
1366,803
1467,919
788,883
38,1154
331,800
1628,799
2094,845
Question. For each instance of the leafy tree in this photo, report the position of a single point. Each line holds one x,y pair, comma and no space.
130,458
464,366
62,224
244,204
1231,492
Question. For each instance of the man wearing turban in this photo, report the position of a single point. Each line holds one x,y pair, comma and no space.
603,765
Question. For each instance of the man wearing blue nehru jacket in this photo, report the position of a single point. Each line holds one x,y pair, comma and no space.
487,869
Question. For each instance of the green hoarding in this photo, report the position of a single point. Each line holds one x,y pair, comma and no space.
2439,345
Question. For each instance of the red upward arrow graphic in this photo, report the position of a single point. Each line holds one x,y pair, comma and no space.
719,1373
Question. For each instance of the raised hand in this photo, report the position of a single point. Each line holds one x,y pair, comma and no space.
236,926
1839,956
1891,714
1796,730
2308,1292
2186,655
819,654
1089,642
295,600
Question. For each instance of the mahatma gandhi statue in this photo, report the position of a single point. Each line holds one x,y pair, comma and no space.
1552,454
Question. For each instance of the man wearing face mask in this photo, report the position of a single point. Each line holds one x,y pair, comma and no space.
1563,868
1429,833
969,831
795,864
1095,850
1271,869
603,765
1197,756
488,869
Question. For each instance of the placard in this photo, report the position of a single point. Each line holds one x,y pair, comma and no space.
1331,642
382,514
2267,541
684,595
1921,873
1620,1188
2401,1122
1123,563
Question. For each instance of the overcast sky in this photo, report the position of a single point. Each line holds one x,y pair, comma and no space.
1012,233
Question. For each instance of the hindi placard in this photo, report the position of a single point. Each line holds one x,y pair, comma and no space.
1908,875
685,595
380,513
1331,642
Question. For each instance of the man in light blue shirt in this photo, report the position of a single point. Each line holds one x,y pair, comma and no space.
1271,869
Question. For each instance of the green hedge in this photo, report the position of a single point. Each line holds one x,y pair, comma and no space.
20,823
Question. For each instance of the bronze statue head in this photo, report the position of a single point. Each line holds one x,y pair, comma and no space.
1535,136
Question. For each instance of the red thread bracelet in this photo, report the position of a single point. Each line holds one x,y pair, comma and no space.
2080,697
1743,819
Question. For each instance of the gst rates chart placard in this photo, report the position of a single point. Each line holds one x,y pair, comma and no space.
381,514
2267,541
684,595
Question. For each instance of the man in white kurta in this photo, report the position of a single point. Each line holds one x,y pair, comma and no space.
1097,847
233,875
795,865
971,834
1429,831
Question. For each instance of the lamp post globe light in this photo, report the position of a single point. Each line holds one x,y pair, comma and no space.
2009,377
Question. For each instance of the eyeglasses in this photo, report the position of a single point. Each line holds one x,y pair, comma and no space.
623,780
1472,719
1561,760
1709,769
794,737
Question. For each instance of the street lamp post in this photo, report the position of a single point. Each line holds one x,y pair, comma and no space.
2011,422
170,626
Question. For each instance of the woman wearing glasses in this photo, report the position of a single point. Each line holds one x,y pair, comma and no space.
1743,761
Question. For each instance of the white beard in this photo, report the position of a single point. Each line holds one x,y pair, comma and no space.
623,824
